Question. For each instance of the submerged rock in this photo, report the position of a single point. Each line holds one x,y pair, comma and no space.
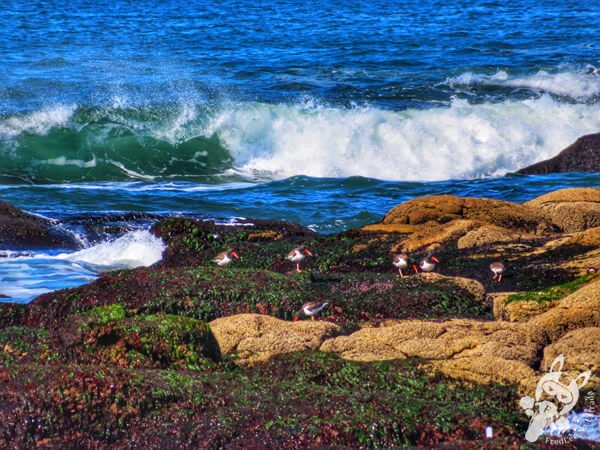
582,156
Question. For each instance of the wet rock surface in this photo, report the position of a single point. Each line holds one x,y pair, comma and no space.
20,230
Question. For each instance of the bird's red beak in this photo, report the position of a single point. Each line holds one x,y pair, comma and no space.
435,259
307,251
235,255
415,268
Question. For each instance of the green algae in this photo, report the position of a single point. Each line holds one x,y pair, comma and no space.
18,344
145,340
553,293
108,313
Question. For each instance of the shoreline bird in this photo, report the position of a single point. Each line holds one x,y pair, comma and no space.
298,255
497,269
225,258
310,309
401,262
427,264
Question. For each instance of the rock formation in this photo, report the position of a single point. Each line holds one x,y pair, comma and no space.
582,156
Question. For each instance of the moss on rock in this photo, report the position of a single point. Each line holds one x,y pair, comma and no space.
107,336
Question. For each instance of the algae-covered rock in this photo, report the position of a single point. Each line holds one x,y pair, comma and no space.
363,297
204,293
106,335
298,400
195,242
12,314
24,344
255,337
575,209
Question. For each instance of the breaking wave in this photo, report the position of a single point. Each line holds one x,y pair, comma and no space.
251,141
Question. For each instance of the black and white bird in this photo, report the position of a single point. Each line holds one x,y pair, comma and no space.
225,258
298,255
401,262
497,269
428,263
310,309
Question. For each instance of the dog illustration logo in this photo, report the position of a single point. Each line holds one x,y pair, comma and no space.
558,400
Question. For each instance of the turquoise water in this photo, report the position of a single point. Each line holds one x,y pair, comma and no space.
323,113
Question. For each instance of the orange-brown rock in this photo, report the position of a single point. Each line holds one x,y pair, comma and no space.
518,311
572,210
578,310
255,337
468,349
587,238
446,208
437,235
490,234
580,348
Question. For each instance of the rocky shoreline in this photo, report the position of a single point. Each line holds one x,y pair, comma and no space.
184,354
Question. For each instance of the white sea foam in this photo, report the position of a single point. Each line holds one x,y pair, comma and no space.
131,173
24,276
37,122
134,249
176,130
63,161
460,141
580,86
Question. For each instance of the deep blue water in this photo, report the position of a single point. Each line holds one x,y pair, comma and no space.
324,113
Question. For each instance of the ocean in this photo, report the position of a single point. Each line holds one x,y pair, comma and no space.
323,113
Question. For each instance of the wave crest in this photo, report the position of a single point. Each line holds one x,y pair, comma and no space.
260,140
579,85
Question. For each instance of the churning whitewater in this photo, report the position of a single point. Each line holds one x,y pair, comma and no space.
25,276
257,141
